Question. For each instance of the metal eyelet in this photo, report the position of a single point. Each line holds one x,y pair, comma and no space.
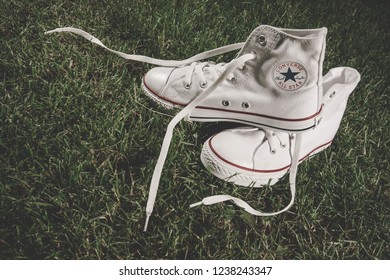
187,86
332,94
273,152
203,85
225,103
245,105
262,40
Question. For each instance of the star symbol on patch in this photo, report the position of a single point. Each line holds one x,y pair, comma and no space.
289,75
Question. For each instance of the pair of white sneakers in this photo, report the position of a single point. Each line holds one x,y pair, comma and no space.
274,85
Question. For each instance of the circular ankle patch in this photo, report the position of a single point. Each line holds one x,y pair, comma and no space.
289,75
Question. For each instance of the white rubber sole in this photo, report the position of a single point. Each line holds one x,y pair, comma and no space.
208,114
240,175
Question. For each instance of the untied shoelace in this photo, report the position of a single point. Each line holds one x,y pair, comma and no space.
226,70
272,138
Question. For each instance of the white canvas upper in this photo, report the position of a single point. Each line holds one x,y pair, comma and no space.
279,88
251,156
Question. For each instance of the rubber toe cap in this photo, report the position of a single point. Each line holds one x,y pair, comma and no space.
156,79
236,147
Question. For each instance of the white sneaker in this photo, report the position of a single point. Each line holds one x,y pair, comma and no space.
254,157
278,86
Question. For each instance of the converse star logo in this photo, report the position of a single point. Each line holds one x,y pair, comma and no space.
289,75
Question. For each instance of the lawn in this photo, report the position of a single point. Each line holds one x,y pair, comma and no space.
79,140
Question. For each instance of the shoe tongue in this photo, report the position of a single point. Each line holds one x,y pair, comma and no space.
339,83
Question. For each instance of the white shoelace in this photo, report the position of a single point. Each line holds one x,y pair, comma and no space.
224,72
182,114
227,69
199,68
270,136
147,59
273,138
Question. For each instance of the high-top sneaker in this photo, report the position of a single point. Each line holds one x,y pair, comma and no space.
254,157
279,87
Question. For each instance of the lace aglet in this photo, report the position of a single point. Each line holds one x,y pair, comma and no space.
196,204
147,222
50,31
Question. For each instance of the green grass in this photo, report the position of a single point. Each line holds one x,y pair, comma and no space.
79,140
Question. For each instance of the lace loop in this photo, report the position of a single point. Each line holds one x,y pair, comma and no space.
198,69
240,203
